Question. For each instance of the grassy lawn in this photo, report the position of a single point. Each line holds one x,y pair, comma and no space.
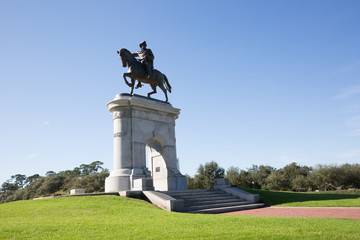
321,199
112,217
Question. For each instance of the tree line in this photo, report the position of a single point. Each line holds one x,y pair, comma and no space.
90,177
292,177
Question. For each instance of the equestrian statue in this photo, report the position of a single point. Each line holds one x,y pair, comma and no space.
142,70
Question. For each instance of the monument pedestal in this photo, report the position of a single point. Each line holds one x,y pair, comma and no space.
144,132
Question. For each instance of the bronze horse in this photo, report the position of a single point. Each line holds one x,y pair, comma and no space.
137,71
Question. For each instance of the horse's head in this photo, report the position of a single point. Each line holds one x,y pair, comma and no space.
123,53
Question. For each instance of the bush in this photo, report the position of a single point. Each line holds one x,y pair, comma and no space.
92,183
20,187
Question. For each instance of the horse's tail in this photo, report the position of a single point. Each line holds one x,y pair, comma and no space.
167,84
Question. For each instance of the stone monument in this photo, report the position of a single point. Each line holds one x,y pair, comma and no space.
144,145
145,148
144,131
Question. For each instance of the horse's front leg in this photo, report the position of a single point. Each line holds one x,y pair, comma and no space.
139,85
126,81
132,86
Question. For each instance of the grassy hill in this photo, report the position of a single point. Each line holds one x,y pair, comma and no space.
313,199
112,217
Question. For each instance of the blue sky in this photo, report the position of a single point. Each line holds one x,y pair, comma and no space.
258,82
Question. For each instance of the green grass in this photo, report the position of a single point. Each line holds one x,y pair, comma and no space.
112,217
321,199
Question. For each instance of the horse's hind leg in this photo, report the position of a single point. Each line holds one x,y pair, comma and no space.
164,90
153,86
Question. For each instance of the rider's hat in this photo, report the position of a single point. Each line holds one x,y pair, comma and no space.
143,43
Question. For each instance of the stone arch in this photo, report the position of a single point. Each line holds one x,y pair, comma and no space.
156,144
164,142
156,163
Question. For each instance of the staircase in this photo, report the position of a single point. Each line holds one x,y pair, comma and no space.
211,201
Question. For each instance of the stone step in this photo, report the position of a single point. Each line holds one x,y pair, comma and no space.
202,197
194,193
215,205
205,202
189,191
228,209
213,198
209,196
211,201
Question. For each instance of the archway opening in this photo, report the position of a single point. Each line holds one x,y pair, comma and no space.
156,164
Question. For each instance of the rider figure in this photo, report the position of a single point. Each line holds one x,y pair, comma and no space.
146,57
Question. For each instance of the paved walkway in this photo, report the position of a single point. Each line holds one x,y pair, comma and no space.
316,212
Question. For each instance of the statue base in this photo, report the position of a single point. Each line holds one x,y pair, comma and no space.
144,145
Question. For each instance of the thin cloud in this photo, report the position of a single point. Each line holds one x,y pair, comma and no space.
349,92
355,132
32,156
353,122
354,108
350,154
347,68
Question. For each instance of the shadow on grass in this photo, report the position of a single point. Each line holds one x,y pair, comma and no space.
277,197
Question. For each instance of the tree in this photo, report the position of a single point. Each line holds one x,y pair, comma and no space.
77,172
31,190
87,169
32,178
292,177
92,183
204,179
327,177
275,181
233,174
351,173
259,174
19,180
85,176
9,187
190,182
14,183
300,183
239,178
51,185
50,173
